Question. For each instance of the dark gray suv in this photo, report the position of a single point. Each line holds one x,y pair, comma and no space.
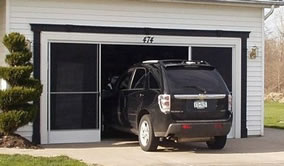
178,100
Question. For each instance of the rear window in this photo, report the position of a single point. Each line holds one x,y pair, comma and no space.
195,80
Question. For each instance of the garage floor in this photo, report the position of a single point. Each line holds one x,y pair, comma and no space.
267,150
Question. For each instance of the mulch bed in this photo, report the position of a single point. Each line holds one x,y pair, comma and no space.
16,141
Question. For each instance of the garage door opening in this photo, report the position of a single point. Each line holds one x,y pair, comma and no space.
78,59
221,58
116,59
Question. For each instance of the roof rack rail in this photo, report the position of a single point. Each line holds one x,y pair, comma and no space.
183,61
174,62
150,61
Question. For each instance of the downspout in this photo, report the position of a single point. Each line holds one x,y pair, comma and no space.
270,12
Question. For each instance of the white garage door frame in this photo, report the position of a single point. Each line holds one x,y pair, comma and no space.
94,38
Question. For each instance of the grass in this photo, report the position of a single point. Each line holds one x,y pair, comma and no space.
274,115
26,160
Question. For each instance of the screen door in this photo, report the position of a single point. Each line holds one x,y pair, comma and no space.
73,93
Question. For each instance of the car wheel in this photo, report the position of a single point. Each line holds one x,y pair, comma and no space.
147,139
217,143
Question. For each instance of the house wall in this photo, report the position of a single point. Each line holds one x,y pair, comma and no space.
2,33
128,13
2,29
25,131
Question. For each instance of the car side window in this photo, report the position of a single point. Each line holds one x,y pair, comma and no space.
139,80
124,84
153,82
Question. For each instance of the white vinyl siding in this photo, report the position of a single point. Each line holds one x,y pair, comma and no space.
2,29
119,13
26,131
2,33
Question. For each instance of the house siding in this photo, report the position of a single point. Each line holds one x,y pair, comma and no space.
118,13
2,29
2,33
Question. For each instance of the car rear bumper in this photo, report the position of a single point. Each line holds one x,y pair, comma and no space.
192,130
196,129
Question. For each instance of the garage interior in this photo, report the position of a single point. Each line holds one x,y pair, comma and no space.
116,59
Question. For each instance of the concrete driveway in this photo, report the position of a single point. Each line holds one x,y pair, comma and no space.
267,150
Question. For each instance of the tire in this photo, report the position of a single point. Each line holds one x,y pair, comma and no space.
219,142
147,139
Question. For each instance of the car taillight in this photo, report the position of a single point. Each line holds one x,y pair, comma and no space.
165,103
230,102
186,126
218,126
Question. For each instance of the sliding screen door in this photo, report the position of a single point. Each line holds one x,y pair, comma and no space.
73,92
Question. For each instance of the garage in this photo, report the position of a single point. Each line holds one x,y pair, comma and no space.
78,71
79,45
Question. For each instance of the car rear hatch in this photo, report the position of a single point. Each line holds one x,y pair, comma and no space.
197,93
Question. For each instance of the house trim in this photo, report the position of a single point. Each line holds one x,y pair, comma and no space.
243,35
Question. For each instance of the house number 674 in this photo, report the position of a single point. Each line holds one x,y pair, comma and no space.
148,39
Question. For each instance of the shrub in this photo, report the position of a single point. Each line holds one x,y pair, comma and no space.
12,120
31,83
17,96
15,42
14,75
18,58
17,102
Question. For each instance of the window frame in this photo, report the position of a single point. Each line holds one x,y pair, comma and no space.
123,76
133,75
149,79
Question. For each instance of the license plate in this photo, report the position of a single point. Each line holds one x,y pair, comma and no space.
200,104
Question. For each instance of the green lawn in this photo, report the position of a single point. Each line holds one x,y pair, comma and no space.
274,115
25,160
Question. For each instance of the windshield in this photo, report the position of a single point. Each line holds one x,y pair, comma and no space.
195,81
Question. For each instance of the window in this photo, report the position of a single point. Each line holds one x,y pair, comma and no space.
124,84
195,80
139,79
153,82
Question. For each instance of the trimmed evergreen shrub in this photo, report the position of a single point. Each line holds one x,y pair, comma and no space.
17,103
16,74
17,96
12,120
15,42
19,58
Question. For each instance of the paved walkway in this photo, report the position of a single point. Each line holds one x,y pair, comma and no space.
268,150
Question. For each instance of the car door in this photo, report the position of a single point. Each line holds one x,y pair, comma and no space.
122,92
136,95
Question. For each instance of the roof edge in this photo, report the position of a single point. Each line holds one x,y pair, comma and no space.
259,3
